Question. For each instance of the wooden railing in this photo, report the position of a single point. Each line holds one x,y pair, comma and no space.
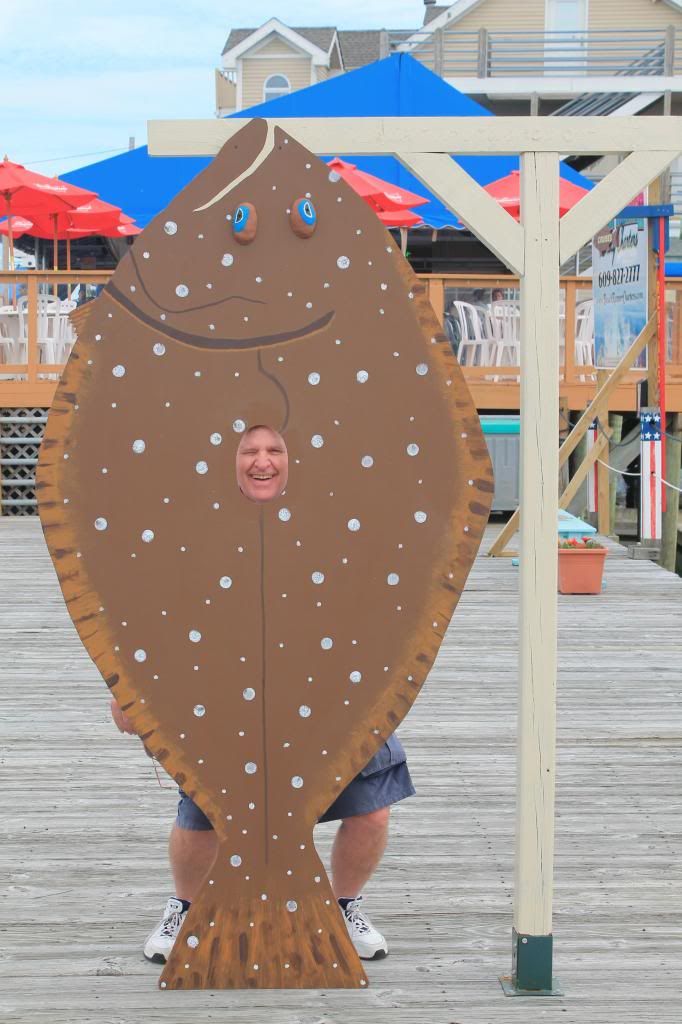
26,378
32,381
496,386
639,52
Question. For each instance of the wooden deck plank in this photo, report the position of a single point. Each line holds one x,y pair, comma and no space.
85,826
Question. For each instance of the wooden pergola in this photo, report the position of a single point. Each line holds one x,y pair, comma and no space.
533,249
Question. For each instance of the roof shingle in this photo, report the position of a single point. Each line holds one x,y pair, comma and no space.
359,48
320,37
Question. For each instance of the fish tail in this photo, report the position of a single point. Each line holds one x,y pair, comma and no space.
265,932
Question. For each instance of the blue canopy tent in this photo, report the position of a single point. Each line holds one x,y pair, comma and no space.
398,86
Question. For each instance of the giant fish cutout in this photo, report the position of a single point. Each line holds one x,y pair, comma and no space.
264,651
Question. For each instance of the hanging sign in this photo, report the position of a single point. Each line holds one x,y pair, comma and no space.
619,288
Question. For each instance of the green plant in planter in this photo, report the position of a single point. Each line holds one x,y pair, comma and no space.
579,544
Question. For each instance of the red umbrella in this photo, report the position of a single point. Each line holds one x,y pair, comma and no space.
43,228
92,218
34,194
95,212
125,229
17,226
382,196
399,218
507,191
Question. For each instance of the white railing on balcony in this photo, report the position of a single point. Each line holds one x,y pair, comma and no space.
483,54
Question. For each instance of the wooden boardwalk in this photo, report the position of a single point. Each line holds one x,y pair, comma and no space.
85,823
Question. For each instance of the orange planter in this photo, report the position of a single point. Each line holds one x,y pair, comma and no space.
581,570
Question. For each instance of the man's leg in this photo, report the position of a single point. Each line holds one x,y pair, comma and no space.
192,854
358,848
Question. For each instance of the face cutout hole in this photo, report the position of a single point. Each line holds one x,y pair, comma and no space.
244,223
303,217
262,464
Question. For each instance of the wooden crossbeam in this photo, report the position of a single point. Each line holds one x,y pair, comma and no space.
482,214
461,135
594,409
609,197
599,448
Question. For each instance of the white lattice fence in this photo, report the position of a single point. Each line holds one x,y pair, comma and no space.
21,431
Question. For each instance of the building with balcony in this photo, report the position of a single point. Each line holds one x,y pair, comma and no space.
262,63
546,55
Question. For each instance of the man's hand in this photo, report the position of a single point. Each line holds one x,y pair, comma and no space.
122,721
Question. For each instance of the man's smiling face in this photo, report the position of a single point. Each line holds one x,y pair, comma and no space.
262,464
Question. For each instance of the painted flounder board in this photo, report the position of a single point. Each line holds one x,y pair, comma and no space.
264,651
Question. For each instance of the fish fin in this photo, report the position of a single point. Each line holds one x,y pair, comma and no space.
233,938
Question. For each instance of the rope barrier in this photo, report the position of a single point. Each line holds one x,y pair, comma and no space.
617,444
623,473
612,444
614,470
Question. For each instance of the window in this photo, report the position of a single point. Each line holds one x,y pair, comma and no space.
274,86
566,15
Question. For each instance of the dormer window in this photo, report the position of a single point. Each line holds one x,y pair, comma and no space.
274,86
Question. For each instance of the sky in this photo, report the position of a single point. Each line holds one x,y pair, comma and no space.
78,78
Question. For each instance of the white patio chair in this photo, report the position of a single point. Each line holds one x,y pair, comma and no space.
506,316
584,334
8,345
477,334
48,321
66,339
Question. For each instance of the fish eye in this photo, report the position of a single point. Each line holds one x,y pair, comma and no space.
303,218
244,223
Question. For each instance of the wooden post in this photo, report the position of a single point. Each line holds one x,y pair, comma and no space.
673,454
437,297
616,423
532,931
483,53
592,436
577,459
438,52
564,431
603,495
32,346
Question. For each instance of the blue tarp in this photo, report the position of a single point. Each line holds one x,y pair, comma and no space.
398,86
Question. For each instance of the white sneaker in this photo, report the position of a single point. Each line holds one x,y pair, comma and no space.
369,943
159,944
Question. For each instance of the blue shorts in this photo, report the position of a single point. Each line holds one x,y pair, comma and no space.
383,781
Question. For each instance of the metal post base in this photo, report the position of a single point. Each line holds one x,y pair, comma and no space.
531,967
